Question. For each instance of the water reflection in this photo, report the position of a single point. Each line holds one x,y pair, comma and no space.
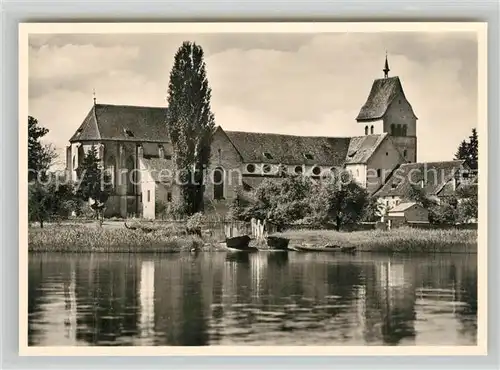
258,299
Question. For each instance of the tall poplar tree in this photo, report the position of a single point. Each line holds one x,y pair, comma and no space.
190,122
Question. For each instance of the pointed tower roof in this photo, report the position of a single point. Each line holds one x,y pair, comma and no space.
386,67
383,92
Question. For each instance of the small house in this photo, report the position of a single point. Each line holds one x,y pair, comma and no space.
405,213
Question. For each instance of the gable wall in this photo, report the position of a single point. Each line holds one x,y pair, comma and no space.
385,159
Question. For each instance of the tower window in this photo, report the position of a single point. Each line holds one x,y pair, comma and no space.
266,168
250,168
316,171
309,156
386,153
405,153
298,169
371,130
169,197
129,133
393,129
379,172
366,130
149,196
403,133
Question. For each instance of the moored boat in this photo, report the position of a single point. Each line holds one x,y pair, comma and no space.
239,243
348,249
307,248
277,242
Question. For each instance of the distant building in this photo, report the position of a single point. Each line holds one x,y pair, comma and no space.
405,213
134,146
439,180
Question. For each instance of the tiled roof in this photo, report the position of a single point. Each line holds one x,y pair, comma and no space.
382,93
361,148
308,150
123,122
434,174
402,207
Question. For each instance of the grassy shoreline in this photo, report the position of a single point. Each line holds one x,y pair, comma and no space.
85,239
402,240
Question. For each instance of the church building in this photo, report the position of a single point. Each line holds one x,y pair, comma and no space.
134,146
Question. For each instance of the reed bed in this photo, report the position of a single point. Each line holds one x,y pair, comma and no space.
85,239
401,240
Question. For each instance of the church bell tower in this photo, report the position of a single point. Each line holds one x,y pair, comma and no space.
387,110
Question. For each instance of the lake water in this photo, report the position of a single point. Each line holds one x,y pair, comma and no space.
252,299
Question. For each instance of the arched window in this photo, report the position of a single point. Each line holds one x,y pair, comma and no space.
110,170
131,175
371,130
393,129
366,130
218,178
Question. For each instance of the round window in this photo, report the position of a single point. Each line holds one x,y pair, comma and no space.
251,168
298,169
266,168
316,171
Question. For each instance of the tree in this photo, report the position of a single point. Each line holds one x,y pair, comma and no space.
373,210
468,151
340,200
48,199
418,195
445,212
468,204
40,156
190,122
94,184
281,203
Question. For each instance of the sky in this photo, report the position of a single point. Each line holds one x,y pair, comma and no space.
303,84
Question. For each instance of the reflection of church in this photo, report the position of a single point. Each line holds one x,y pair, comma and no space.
389,299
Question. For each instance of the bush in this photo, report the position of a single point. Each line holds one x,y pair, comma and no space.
196,221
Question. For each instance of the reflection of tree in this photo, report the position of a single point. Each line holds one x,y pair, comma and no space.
110,299
193,325
468,288
35,280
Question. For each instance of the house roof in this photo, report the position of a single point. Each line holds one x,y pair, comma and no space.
308,150
361,148
402,207
382,93
434,174
111,122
